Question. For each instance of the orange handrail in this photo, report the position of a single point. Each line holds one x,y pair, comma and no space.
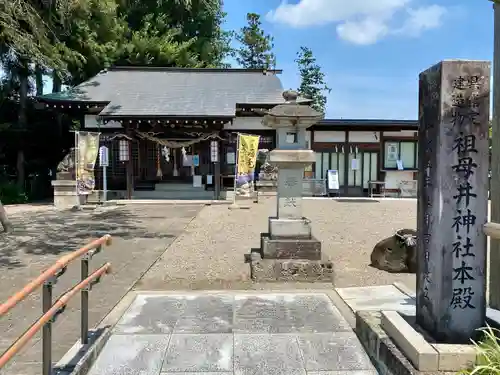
56,267
44,319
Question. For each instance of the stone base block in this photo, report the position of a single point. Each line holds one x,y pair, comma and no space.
291,270
290,248
300,228
65,194
397,347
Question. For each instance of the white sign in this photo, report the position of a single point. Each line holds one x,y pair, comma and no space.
197,182
103,156
231,158
354,164
214,151
333,179
400,165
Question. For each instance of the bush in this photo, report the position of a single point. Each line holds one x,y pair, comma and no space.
488,354
10,193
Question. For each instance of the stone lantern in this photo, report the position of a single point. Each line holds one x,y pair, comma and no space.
289,251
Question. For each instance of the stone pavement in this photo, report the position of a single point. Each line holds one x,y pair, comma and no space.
41,236
237,333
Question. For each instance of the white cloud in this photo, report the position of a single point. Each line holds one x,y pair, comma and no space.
421,19
367,31
360,21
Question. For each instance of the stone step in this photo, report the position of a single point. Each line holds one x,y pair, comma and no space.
177,187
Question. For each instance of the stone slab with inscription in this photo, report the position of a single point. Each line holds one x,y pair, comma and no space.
453,199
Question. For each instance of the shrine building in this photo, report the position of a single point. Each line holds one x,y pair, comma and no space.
163,125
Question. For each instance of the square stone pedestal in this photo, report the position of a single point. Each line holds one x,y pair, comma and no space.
65,196
289,252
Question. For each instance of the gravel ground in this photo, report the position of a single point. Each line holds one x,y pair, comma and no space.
209,254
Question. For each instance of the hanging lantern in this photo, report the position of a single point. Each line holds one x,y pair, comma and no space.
123,150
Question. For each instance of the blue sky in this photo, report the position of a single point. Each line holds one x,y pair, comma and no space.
371,50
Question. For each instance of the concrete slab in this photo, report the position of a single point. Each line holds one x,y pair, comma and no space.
287,314
370,292
333,352
377,298
137,319
202,353
131,355
267,354
217,333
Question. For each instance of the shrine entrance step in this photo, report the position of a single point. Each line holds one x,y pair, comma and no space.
232,333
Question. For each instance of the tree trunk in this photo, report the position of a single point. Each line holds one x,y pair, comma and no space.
6,224
22,123
56,82
39,80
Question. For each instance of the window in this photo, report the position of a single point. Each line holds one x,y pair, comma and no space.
403,151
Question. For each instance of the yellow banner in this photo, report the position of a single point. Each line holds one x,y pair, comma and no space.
248,146
87,149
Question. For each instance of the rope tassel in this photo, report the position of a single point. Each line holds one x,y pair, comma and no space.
159,172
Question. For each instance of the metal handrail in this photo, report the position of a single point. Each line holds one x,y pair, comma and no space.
56,309
58,267
492,230
51,311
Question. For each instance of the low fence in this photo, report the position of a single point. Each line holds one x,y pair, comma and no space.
50,310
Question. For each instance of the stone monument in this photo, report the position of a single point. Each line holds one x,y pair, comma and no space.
65,195
289,251
453,199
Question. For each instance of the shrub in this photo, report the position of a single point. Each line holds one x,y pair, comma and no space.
488,354
10,193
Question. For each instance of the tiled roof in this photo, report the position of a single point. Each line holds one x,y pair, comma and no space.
133,91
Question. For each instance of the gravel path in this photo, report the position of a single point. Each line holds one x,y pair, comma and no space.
209,254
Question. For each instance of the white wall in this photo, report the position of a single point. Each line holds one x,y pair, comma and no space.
364,137
393,178
91,123
246,123
329,136
401,133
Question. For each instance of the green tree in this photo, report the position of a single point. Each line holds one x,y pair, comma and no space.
256,47
186,33
313,84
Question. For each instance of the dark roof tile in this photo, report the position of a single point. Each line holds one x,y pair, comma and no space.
175,92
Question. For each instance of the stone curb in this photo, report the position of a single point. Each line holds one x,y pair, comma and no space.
126,202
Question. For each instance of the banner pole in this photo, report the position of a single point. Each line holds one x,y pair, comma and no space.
77,165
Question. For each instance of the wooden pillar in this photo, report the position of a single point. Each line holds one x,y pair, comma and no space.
217,165
453,199
130,168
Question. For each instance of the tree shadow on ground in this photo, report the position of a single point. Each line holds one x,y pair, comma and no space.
55,232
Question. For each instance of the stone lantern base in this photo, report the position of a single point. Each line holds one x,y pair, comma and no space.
289,252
